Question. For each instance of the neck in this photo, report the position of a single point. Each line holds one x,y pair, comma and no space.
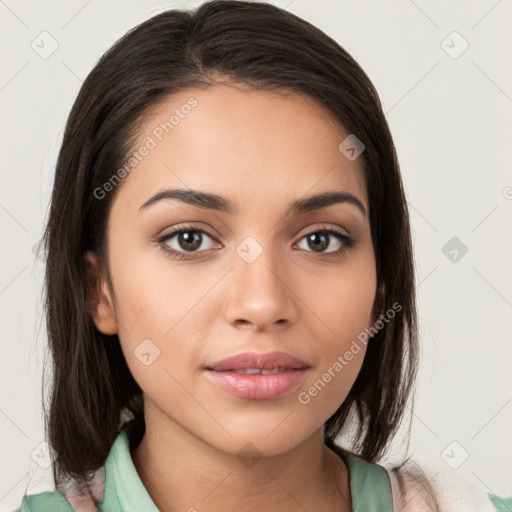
309,477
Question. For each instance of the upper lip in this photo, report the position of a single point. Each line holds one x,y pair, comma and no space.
262,361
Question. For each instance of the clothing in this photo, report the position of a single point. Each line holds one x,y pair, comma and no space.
119,488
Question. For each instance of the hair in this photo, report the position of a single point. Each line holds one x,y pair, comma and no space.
251,43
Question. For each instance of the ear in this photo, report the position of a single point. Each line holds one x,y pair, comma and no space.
99,299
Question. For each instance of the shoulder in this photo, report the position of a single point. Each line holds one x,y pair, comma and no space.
425,489
67,498
53,501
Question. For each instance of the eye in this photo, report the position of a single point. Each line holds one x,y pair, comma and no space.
322,239
185,239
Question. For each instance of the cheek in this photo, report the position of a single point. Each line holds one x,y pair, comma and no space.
163,312
344,299
344,303
153,295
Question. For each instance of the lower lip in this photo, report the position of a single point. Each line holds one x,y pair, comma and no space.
258,387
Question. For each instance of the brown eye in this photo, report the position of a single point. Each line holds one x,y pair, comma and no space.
189,240
186,239
320,240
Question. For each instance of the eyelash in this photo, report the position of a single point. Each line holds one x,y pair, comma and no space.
347,242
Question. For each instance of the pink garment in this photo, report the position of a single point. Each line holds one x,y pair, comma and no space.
83,501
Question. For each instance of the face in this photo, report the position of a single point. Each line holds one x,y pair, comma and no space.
193,285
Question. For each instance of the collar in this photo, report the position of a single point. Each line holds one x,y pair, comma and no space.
369,483
124,489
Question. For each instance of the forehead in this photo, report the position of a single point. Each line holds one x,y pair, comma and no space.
233,140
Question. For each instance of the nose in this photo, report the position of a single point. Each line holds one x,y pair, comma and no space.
259,295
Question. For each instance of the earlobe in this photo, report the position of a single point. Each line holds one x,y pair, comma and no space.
99,301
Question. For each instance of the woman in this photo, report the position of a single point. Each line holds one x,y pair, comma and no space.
230,279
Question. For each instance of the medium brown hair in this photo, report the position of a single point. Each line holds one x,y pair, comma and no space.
267,48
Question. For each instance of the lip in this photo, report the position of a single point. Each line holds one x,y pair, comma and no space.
289,372
260,360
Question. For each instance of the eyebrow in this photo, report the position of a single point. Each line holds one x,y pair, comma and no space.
221,204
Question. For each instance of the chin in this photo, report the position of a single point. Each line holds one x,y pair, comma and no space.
263,439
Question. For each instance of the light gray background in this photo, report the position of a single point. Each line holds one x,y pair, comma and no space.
451,120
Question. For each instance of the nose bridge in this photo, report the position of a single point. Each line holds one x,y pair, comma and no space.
255,265
259,294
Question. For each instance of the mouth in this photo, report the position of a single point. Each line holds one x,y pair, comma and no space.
258,376
267,361
257,371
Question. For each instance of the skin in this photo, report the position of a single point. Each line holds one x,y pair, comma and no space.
262,151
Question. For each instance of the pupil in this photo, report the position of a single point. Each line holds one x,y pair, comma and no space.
191,242
319,241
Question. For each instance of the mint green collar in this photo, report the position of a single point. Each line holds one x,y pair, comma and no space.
369,485
124,490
